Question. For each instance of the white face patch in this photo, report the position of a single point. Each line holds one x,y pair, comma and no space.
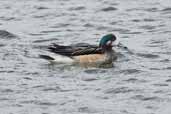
109,43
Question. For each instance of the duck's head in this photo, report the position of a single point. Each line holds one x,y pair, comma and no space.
107,41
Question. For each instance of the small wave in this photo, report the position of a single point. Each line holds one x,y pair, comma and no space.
6,34
88,25
41,7
152,9
145,20
43,103
27,78
148,20
119,90
39,16
109,9
168,80
165,60
45,40
121,30
49,31
4,99
160,85
136,20
133,80
89,79
36,34
148,27
130,71
87,110
51,89
169,68
152,56
94,71
7,18
77,8
2,45
133,33
103,28
143,98
7,91
46,103
167,9
61,25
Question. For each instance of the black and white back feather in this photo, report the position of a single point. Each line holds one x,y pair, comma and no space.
75,50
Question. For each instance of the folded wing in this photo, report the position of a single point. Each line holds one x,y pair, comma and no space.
75,50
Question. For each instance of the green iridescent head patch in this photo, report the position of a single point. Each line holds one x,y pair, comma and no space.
106,38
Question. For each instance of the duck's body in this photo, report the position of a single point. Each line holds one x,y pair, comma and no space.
83,53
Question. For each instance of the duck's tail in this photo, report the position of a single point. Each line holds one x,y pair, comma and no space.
47,57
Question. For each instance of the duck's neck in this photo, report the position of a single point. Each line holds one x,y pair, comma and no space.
109,53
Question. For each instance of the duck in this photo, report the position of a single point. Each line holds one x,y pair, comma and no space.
83,54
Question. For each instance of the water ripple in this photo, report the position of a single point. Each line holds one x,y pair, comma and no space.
7,91
148,20
139,82
145,55
88,25
160,84
109,9
36,102
87,110
94,71
134,80
167,9
130,71
148,27
143,98
119,90
45,40
41,7
78,8
152,9
7,35
168,80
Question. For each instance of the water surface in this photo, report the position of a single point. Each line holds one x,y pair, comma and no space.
139,82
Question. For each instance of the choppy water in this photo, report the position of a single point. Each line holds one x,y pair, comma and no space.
139,83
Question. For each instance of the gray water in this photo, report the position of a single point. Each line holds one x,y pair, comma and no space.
139,82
